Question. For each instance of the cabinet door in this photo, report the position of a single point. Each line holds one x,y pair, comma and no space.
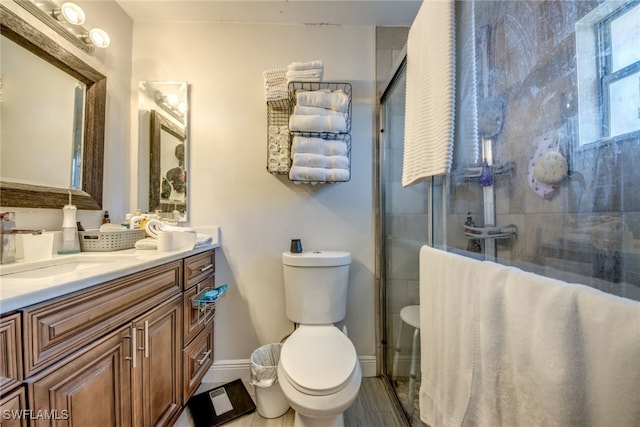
10,352
157,376
14,409
90,388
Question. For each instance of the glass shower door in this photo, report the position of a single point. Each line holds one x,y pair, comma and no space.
404,229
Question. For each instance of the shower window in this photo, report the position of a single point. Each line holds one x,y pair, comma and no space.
620,71
608,54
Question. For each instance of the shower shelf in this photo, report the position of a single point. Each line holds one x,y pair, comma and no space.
496,170
490,231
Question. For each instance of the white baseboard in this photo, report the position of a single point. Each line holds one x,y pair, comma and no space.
224,371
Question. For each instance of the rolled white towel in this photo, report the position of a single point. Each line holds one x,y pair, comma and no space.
329,147
309,65
316,111
302,173
320,161
336,100
329,124
154,226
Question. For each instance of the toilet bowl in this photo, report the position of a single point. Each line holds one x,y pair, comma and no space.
320,375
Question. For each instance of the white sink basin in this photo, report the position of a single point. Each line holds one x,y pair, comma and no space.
58,266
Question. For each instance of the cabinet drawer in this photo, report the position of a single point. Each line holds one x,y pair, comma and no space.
198,267
10,352
193,317
13,409
197,358
58,327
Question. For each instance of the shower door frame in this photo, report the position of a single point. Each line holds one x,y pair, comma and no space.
382,335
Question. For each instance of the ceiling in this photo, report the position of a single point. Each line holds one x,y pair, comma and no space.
285,12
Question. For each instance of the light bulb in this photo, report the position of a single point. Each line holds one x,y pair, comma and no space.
99,37
72,13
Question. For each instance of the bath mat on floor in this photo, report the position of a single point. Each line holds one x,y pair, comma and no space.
221,404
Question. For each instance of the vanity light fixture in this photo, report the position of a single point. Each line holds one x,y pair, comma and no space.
99,37
67,20
71,12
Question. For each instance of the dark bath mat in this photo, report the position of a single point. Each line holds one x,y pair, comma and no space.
221,404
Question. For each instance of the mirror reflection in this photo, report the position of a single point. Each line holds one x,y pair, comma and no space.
163,148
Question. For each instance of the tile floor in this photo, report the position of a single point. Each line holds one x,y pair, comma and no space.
373,408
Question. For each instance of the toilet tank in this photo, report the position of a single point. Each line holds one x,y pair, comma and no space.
315,286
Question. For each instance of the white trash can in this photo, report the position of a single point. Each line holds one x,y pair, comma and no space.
270,400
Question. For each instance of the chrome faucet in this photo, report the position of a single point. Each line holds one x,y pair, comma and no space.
8,233
8,247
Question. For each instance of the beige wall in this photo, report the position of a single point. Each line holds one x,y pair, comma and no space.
229,186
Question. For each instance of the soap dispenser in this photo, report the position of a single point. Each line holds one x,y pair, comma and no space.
70,242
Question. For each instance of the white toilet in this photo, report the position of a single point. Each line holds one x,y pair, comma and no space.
318,370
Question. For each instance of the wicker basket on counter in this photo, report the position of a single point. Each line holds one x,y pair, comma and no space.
106,241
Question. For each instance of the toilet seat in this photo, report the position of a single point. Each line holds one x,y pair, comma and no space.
318,360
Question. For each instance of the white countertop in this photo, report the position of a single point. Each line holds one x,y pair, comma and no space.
98,267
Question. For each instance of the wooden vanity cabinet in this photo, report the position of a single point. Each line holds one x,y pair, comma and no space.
126,353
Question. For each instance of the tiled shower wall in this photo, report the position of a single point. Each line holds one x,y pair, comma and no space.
532,68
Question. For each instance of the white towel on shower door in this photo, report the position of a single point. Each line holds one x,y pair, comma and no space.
503,347
430,100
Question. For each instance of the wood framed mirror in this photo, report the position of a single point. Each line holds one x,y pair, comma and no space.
89,193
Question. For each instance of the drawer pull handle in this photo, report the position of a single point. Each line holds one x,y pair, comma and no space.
146,339
133,348
205,356
206,267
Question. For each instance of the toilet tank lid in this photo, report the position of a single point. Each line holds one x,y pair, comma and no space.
317,259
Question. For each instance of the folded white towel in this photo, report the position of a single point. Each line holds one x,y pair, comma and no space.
148,243
275,84
275,95
298,66
316,111
203,239
302,173
320,161
305,75
337,175
328,124
112,227
335,100
328,147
